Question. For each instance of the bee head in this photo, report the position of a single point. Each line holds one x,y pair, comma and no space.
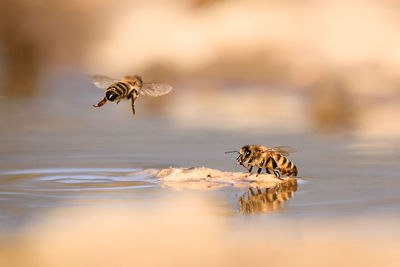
245,153
111,96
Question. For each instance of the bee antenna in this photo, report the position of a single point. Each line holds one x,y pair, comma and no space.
232,152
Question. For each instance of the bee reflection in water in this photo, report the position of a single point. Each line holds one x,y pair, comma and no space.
260,200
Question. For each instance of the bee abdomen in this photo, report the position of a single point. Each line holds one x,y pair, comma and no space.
122,87
285,166
292,171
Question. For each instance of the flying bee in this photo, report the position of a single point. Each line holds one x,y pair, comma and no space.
272,159
127,88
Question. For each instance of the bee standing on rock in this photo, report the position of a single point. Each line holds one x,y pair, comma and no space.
129,88
272,159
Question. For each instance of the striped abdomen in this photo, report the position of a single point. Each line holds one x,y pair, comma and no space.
120,88
285,166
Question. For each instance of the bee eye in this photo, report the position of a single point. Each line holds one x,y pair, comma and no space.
247,153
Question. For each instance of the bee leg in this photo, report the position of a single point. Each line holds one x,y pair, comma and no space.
277,174
268,166
239,162
274,165
133,105
258,171
249,169
101,103
275,168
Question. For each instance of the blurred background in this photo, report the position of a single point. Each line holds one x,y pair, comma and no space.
317,65
321,76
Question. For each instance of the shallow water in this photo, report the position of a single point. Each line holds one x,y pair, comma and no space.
59,154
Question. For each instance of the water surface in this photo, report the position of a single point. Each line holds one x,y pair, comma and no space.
66,153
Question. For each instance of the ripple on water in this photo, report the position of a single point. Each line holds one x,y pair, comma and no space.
75,179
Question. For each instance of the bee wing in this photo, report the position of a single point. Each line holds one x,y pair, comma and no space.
102,81
155,89
284,150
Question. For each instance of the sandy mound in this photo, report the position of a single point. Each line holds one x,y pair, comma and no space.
204,178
